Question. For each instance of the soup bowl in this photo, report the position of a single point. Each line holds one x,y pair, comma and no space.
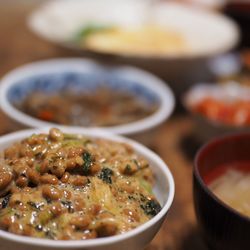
135,239
222,226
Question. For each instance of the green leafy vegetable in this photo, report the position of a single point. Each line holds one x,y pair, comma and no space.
5,201
136,163
68,205
87,162
50,234
44,217
128,169
35,205
146,185
38,168
151,207
72,143
105,175
91,29
69,137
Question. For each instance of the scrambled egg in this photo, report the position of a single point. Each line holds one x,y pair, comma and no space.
145,40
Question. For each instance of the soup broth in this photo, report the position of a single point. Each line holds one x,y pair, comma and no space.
231,184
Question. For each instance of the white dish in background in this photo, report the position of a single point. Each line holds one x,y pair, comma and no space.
52,75
135,239
229,91
206,33
212,4
205,128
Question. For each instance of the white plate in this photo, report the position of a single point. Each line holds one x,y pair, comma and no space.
206,33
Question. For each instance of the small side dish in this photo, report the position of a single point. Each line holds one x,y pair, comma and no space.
225,105
68,187
101,107
230,112
231,183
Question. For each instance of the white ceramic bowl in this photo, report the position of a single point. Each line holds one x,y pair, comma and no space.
135,239
205,33
84,75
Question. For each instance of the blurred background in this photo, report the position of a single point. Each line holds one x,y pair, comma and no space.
207,41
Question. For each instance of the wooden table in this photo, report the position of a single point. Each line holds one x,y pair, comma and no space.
172,142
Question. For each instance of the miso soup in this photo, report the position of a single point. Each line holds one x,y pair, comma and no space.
231,184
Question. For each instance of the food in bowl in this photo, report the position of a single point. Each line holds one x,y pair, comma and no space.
83,77
224,226
227,105
143,40
230,112
102,107
67,187
231,183
137,29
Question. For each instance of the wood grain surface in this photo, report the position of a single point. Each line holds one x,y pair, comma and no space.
173,141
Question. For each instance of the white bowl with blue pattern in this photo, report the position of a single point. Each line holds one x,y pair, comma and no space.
83,75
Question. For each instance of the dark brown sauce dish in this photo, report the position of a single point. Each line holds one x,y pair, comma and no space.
223,227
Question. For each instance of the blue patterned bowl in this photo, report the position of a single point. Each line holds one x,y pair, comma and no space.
82,75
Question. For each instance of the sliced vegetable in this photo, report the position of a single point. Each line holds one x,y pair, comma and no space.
146,185
91,29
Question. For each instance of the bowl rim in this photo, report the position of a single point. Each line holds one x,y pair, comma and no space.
75,244
210,144
79,65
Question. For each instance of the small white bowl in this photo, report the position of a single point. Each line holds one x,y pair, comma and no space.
53,75
135,239
206,128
